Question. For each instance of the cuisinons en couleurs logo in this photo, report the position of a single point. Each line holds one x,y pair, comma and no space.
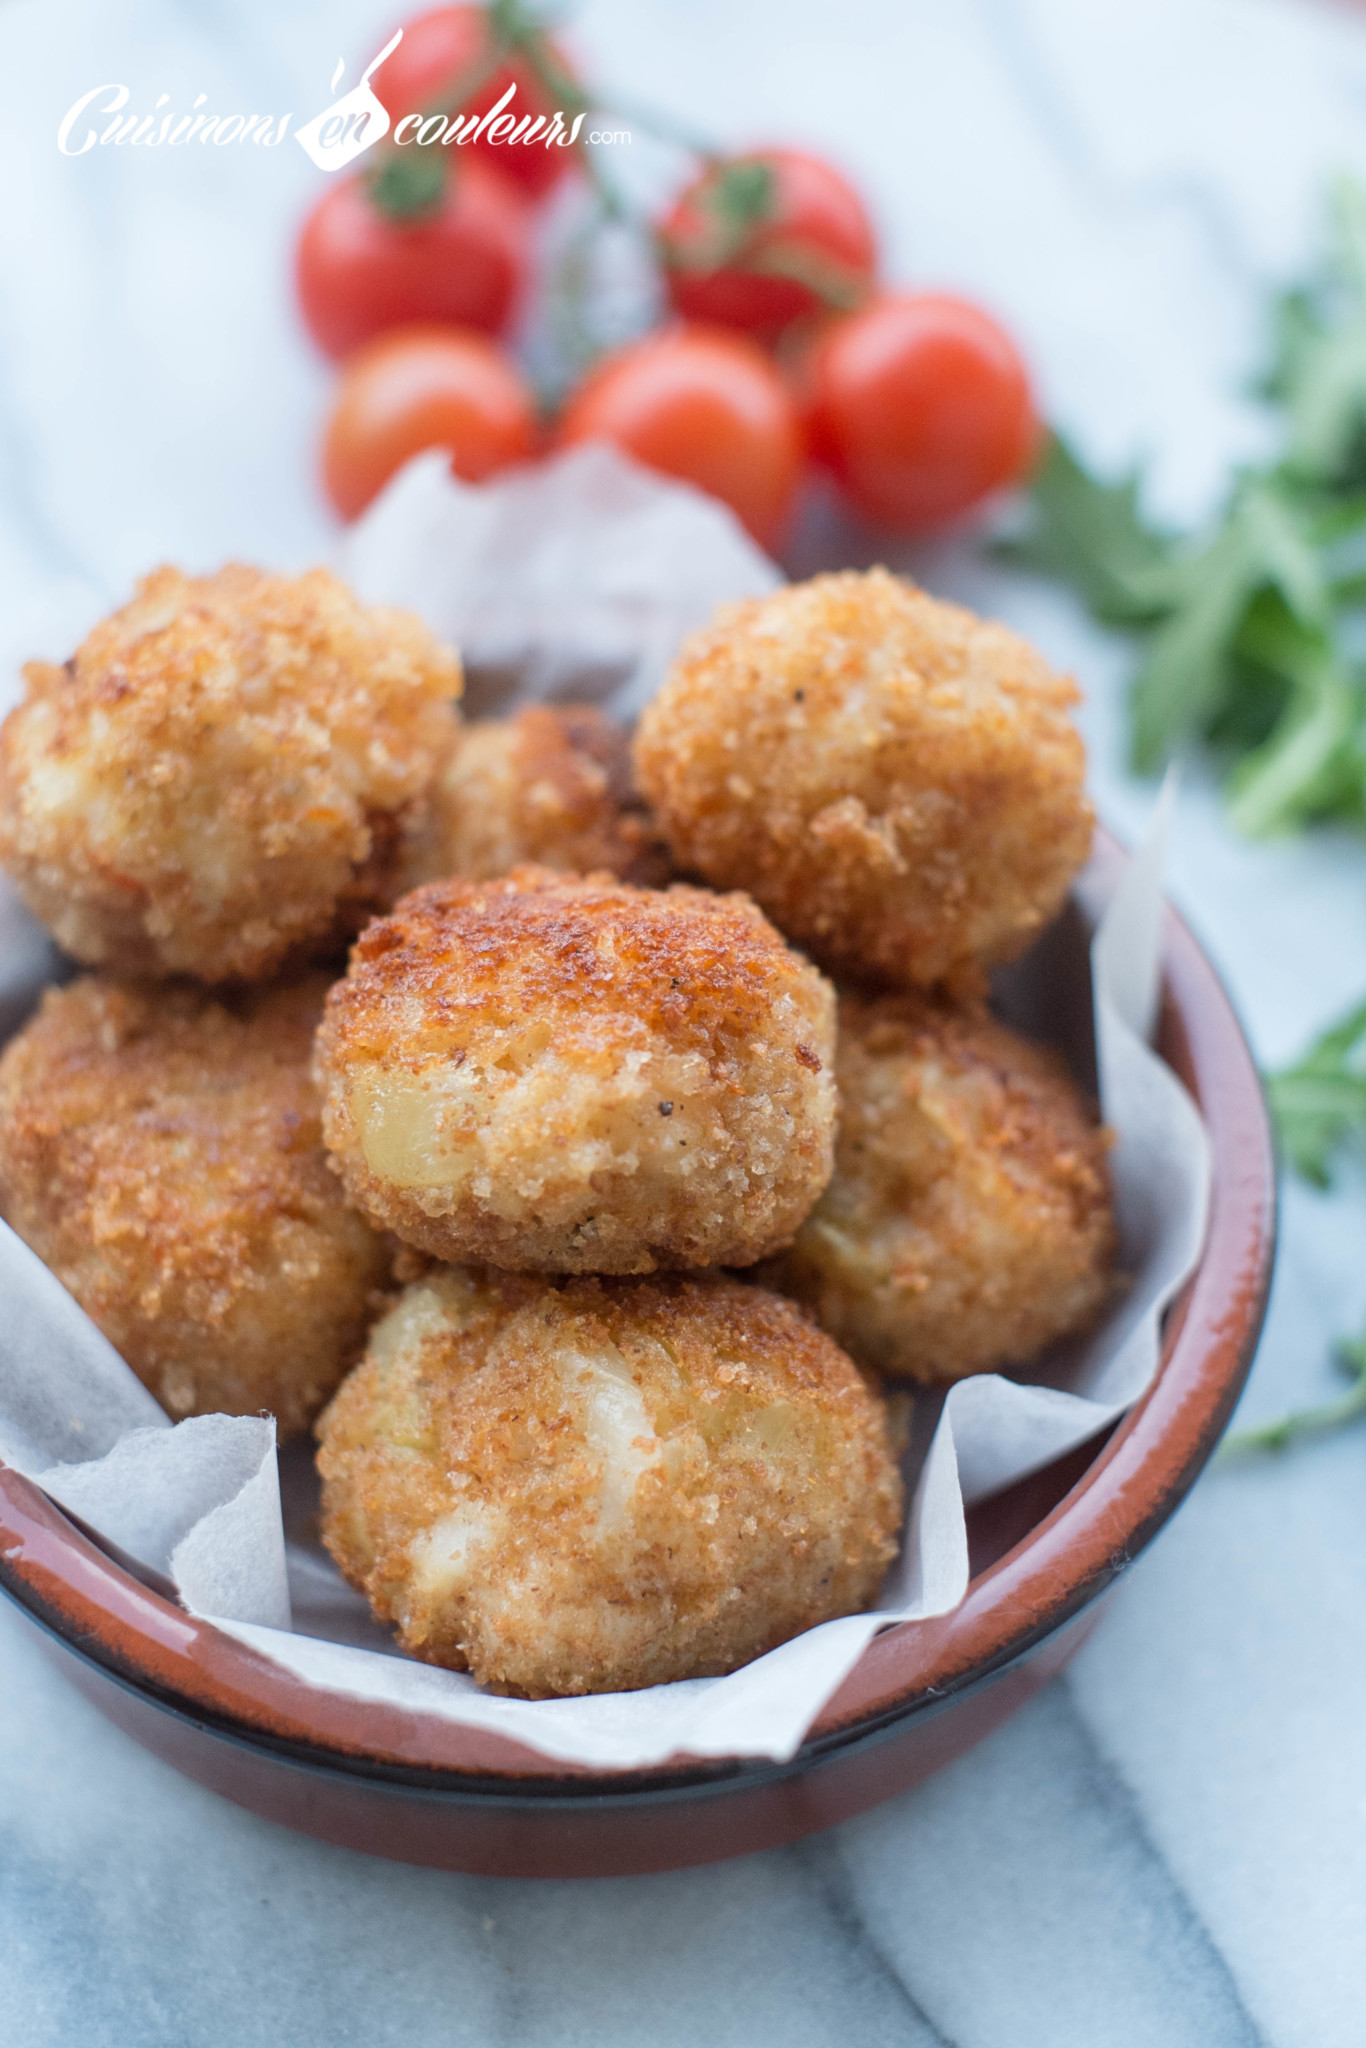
334,138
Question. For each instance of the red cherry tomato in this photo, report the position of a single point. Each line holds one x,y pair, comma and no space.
424,387
704,405
764,239
449,45
360,272
921,405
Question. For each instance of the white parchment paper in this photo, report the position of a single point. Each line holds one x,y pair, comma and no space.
573,578
577,580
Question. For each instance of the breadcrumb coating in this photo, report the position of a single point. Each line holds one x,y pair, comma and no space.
552,786
571,1075
160,1152
591,1486
968,1223
894,780
224,774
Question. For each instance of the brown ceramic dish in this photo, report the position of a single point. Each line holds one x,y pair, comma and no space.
405,1786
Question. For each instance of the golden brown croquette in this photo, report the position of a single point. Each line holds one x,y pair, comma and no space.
160,1152
552,786
968,1223
591,1486
894,780
566,1074
224,774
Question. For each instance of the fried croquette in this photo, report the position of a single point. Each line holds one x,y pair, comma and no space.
564,1074
894,780
224,774
968,1223
160,1152
551,786
591,1486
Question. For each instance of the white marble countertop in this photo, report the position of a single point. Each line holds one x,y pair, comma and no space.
1169,1847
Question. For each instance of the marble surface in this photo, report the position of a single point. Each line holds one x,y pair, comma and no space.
1169,1847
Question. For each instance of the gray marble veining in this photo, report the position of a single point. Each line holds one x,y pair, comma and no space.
1170,1846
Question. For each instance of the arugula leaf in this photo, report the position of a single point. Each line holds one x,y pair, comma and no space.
1093,536
1197,604
1294,324
1349,1407
1255,632
1254,639
1182,684
1320,371
1311,764
1319,1104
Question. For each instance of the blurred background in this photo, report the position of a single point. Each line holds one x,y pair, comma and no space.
1170,1847
1118,185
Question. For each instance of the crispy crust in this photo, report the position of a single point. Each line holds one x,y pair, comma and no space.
225,772
894,780
551,785
968,1223
590,1486
570,1075
160,1151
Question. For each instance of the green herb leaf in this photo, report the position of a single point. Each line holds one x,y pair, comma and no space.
1256,646
1319,373
1294,324
1261,546
1311,764
1093,535
1351,1407
1256,632
1319,1104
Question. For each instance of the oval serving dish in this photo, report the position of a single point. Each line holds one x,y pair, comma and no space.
410,1787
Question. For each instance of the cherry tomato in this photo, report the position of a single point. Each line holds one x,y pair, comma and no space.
424,387
441,50
360,272
764,239
921,405
701,404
